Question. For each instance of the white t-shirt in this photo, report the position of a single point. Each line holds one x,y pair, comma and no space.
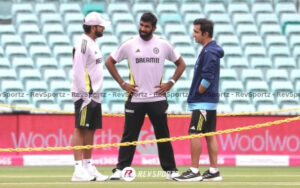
87,71
146,63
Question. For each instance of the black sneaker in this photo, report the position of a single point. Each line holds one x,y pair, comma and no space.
207,176
189,176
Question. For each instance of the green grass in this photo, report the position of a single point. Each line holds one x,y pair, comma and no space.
59,177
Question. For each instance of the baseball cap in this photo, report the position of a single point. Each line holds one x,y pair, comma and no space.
95,18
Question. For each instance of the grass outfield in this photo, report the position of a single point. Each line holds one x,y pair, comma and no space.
59,177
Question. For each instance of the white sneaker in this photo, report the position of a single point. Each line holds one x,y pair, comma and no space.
172,174
80,174
117,175
92,170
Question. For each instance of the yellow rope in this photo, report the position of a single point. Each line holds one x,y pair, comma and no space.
266,124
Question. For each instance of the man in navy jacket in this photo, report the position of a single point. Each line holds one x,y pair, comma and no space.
202,101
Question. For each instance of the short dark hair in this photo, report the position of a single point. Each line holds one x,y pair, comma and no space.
149,17
205,26
87,28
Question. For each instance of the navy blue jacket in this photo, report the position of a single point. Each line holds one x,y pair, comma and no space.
207,67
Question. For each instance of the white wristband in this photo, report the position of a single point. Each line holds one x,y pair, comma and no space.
173,81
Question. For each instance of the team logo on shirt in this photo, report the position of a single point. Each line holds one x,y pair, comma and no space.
155,50
99,60
137,51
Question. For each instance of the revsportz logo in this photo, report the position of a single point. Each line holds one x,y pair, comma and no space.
128,174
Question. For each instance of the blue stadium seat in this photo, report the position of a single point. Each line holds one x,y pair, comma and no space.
212,8
69,8
269,29
287,100
263,99
295,76
128,29
35,40
189,18
54,75
51,18
26,19
15,51
228,75
166,8
246,29
174,29
26,75
276,75
36,86
60,51
242,19
170,18
7,29
19,101
190,8
39,51
284,63
255,51
266,18
232,86
122,18
50,29
281,86
238,8
257,86
293,31
251,75
261,8
220,18
41,8
141,8
181,40
58,40
74,29
186,51
22,63
9,74
57,86
44,63
281,8
28,29
278,51
237,63
4,63
261,63
225,29
21,8
117,7
12,86
228,40
275,40
251,40
232,51
73,18
10,40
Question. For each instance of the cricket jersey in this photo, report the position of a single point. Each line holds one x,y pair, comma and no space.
87,77
146,63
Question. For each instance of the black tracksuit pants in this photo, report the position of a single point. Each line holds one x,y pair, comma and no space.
134,119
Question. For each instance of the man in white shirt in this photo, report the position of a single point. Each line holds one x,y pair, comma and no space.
146,54
86,92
